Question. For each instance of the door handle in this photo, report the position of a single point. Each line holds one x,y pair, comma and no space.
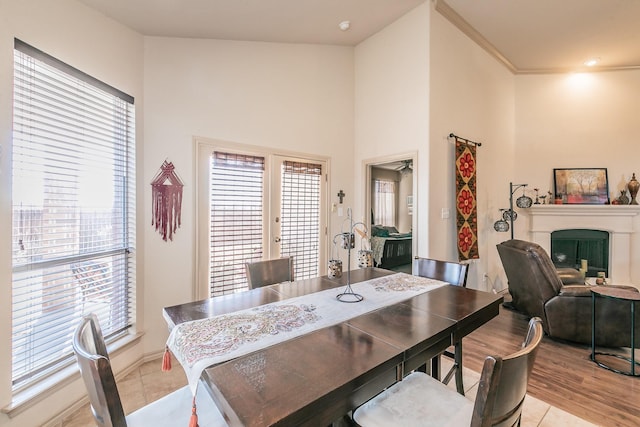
276,239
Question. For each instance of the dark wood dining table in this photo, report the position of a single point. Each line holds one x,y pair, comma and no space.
317,378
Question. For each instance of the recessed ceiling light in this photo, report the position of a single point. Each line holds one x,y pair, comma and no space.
344,25
591,62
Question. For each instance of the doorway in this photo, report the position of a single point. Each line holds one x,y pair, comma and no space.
390,203
255,205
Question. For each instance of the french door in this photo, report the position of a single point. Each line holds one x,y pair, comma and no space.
297,223
261,206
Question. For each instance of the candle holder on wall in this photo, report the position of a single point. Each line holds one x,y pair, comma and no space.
348,241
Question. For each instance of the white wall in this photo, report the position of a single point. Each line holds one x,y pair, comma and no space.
102,48
405,189
392,104
417,81
578,121
290,97
471,95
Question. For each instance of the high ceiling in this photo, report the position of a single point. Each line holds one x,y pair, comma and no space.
555,35
529,36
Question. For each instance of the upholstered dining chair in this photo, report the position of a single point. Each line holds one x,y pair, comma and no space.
420,400
263,273
95,369
456,274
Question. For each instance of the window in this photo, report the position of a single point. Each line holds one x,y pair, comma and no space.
73,210
384,202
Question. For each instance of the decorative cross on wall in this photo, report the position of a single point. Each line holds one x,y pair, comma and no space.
341,195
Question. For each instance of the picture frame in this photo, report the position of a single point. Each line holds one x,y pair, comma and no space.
582,186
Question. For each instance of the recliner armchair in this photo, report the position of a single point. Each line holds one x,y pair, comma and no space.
537,290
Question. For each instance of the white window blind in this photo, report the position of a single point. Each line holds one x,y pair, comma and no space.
237,202
384,209
300,225
73,210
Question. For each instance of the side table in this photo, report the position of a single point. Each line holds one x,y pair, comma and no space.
632,298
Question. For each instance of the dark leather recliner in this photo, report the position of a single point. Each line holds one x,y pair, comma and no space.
536,289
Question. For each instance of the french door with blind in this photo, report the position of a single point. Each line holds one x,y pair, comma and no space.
262,206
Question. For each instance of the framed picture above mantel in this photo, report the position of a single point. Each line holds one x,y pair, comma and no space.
586,186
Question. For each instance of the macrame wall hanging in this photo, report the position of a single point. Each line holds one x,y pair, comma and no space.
166,195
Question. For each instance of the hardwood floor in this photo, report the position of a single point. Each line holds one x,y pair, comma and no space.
563,375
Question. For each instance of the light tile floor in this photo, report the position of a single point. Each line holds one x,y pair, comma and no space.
535,412
148,383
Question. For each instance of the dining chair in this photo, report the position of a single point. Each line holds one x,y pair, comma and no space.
456,274
263,273
420,400
174,409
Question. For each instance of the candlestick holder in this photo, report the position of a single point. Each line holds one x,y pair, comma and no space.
348,242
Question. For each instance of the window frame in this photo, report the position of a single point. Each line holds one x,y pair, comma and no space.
127,219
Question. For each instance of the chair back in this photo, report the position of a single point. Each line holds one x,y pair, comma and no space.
451,272
95,369
263,273
532,278
503,383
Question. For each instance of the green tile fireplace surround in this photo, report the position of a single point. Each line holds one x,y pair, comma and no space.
570,247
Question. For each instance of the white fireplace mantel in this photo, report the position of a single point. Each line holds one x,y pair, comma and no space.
622,223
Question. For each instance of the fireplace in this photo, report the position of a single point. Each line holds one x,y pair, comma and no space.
621,223
570,248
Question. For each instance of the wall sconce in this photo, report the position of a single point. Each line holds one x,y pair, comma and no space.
510,215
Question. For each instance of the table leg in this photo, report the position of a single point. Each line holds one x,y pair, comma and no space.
435,367
633,338
632,359
593,326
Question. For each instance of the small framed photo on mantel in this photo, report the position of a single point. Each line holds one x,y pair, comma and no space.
582,186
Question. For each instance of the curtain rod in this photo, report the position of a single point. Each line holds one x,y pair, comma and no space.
468,141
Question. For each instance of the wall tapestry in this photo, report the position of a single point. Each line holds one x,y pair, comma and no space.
166,197
466,206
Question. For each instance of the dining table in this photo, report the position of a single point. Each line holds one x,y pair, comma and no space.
316,378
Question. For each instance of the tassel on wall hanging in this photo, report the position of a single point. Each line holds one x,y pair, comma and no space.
166,195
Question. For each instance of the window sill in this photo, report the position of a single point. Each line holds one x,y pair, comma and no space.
46,388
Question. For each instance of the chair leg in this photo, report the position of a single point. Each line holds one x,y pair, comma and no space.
456,368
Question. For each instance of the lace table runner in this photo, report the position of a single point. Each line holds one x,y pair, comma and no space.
201,343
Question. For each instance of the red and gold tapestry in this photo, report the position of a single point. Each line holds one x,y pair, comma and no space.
466,206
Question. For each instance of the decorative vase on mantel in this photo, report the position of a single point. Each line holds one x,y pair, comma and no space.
623,199
633,186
